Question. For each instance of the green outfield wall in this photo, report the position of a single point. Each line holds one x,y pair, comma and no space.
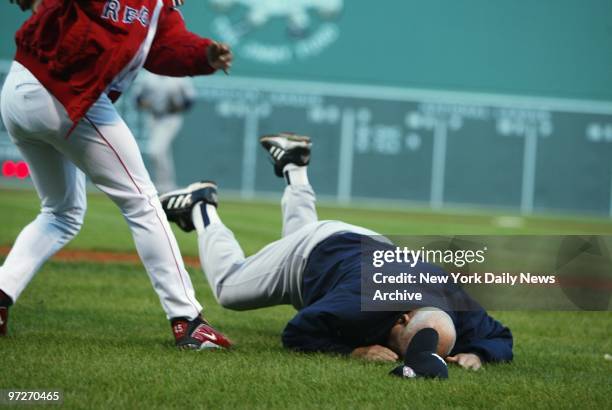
489,103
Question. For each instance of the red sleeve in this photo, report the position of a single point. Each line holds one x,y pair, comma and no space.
176,51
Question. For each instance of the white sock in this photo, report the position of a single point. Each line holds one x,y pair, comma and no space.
203,215
296,175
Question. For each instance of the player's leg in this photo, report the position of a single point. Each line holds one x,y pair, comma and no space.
163,131
104,147
61,188
30,117
109,155
298,204
290,155
238,283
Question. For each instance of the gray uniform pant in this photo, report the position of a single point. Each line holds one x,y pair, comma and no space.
272,276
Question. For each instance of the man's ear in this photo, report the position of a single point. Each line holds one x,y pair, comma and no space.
404,318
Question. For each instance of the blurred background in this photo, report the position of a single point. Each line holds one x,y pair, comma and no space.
443,104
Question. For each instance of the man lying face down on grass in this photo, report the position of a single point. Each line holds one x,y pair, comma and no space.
315,267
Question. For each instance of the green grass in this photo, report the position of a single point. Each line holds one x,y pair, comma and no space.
97,332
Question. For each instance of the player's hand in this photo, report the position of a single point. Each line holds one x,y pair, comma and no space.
23,4
219,56
375,353
468,361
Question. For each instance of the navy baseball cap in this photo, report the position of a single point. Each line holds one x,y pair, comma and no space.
421,360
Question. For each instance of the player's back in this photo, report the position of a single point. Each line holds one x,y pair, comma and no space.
77,49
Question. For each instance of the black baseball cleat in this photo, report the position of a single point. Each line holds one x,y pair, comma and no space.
286,148
178,204
198,334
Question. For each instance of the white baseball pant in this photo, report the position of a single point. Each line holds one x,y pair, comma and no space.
272,276
102,147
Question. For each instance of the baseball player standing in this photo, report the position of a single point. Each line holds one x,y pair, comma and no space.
165,99
74,58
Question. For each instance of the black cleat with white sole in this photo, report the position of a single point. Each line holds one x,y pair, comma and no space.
178,204
286,148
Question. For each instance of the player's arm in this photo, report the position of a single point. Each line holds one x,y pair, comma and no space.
376,353
315,329
312,330
178,52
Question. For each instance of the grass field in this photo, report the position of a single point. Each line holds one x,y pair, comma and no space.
96,331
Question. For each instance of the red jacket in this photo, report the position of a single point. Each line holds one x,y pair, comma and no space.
79,49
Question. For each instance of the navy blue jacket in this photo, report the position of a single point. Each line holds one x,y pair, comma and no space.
332,320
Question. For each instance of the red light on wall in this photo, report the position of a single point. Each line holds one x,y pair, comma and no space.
22,170
8,169
11,169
